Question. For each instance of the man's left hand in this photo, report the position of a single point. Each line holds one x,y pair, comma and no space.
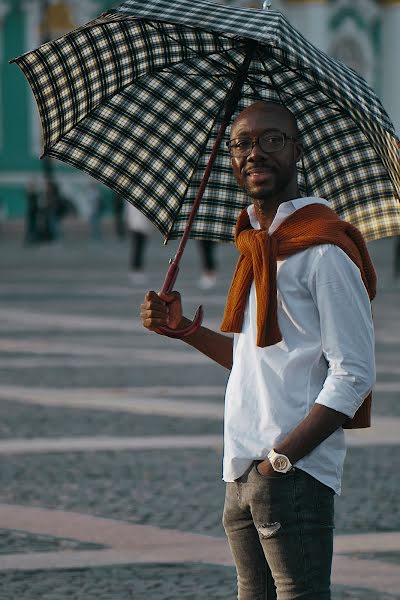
265,469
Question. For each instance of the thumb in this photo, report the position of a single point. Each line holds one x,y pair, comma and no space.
170,296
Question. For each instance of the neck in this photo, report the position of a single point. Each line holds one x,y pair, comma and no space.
266,208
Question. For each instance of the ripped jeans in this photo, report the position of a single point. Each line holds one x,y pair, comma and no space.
280,531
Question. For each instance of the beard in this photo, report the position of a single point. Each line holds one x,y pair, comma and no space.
277,185
275,188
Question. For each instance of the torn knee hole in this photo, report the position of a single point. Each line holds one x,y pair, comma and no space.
268,530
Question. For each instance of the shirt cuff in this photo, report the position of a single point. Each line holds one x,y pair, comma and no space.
341,396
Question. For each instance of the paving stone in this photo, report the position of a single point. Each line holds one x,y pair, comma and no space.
101,377
178,489
19,420
144,582
148,582
174,489
183,489
386,404
13,542
387,557
370,491
348,593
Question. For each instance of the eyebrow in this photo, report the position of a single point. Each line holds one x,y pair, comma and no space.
269,130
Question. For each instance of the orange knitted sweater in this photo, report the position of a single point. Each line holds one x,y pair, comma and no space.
309,226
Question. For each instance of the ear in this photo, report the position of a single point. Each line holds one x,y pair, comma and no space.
299,151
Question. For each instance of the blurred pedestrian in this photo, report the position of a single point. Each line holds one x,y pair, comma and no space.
140,229
119,205
32,214
54,211
3,214
208,278
96,209
396,267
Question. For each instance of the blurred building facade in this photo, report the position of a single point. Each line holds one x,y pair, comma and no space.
362,33
24,25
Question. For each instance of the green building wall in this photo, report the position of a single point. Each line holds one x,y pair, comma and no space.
19,163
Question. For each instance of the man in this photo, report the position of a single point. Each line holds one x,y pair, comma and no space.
302,363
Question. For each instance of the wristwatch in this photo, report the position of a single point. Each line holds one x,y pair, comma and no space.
279,462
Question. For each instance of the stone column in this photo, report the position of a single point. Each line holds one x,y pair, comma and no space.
311,18
390,59
4,10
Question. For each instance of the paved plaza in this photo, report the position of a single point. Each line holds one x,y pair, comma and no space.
111,437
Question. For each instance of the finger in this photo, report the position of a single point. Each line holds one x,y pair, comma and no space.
154,313
153,305
160,306
153,324
170,296
152,296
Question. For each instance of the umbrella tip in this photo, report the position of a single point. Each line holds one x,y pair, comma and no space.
267,5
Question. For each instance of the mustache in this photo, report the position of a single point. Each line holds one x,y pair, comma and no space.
259,165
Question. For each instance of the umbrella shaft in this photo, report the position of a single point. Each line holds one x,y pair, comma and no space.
230,105
173,270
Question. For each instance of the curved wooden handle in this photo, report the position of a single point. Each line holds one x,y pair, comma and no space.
180,333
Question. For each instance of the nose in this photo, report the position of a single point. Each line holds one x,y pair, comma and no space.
256,150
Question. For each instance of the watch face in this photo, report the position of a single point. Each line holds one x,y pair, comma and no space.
281,463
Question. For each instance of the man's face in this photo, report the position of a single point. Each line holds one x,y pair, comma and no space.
265,175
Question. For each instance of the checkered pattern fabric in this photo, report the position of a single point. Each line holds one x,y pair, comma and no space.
134,99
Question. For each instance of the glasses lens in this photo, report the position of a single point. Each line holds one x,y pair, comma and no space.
272,142
240,147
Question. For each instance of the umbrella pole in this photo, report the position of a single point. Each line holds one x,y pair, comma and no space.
230,105
173,270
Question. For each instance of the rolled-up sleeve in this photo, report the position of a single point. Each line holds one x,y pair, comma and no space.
347,332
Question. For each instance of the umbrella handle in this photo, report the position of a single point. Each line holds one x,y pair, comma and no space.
191,328
169,282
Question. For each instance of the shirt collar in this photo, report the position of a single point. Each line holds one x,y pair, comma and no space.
284,210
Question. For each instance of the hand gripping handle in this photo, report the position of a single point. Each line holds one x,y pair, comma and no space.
169,282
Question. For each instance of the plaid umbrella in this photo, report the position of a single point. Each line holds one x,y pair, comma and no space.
138,99
135,98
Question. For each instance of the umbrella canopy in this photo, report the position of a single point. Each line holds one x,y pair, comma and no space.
135,98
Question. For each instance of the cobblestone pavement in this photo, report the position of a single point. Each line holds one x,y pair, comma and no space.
75,364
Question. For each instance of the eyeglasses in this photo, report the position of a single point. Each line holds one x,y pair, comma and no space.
268,142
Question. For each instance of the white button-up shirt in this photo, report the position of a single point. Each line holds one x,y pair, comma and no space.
326,356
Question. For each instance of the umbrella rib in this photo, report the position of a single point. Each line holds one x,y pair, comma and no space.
168,235
229,107
279,90
223,51
250,83
229,71
48,148
248,77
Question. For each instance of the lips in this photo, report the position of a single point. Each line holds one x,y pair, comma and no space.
259,172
